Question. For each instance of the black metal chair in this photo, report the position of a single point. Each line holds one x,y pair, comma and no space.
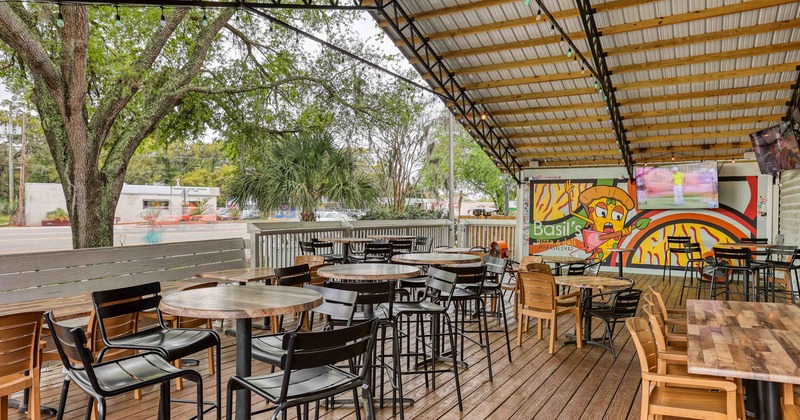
623,306
120,376
401,246
309,373
695,267
754,240
324,249
786,260
171,343
469,290
336,304
675,246
737,261
375,253
372,294
495,270
433,305
423,244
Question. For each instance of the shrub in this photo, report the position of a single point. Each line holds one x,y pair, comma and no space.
410,213
58,214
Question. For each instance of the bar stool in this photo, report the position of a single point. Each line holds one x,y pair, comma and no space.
675,246
695,266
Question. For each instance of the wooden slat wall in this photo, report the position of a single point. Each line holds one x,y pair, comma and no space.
789,209
67,273
478,233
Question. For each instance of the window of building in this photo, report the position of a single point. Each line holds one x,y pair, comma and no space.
155,204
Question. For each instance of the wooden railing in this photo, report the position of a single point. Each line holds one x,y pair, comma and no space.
275,244
475,231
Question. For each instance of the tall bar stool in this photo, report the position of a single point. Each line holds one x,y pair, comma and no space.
675,246
695,266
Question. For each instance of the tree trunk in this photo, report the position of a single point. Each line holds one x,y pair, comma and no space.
308,215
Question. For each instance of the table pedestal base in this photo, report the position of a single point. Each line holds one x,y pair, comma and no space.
765,401
243,365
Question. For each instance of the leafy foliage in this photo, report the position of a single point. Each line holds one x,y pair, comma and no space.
409,213
301,170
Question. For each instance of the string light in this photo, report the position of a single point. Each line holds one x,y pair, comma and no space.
673,158
527,2
163,19
569,53
483,116
552,29
539,15
596,84
60,20
561,42
583,70
205,20
117,19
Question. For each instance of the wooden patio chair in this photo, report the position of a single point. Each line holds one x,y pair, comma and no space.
685,396
20,360
538,299
672,317
511,284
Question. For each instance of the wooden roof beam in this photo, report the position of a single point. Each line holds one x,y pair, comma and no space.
705,94
535,95
706,108
706,123
693,148
579,153
650,160
564,144
559,134
690,136
452,10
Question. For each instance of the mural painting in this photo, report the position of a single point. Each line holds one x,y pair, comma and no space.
585,218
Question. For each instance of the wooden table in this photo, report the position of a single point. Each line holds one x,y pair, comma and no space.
241,275
391,237
619,252
561,260
369,271
433,258
588,284
346,242
455,250
242,303
748,340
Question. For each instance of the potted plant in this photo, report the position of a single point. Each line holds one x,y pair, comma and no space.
57,217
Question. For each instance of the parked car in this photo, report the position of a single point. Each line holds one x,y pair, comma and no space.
250,214
331,216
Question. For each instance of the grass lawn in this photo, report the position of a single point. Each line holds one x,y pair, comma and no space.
4,220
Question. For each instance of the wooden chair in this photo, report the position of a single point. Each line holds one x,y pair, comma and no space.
671,395
20,362
672,317
671,348
311,260
538,299
790,407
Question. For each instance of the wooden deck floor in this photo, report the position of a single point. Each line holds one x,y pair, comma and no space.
573,383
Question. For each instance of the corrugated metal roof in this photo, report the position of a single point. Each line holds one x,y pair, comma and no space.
669,74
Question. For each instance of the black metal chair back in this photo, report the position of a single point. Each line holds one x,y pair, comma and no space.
369,293
732,259
307,248
479,248
576,269
782,254
423,244
495,267
754,240
439,286
296,275
471,276
125,301
693,251
377,252
401,246
676,243
592,266
336,304
626,303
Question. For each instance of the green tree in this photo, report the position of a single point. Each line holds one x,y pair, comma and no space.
301,170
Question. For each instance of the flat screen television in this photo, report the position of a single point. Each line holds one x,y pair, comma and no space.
677,186
776,148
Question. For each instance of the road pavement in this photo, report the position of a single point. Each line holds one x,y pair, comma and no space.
15,240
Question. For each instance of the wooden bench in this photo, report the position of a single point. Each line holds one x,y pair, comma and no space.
63,280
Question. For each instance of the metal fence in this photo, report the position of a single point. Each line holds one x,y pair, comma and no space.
275,244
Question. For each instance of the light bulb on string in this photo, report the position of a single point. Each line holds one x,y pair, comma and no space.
596,84
60,19
163,19
569,53
539,15
552,29
205,20
583,69
527,2
605,97
561,42
117,19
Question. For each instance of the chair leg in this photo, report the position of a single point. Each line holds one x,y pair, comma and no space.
218,362
505,326
89,408
553,333
453,355
482,307
62,401
369,407
578,330
398,377
519,330
34,402
101,409
179,382
163,402
4,407
229,400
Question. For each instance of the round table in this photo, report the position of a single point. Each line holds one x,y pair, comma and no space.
455,250
560,260
587,284
241,275
619,252
242,303
433,258
369,271
391,237
346,242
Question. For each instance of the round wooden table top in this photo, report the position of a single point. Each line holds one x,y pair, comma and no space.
241,274
741,245
348,240
391,237
455,250
233,302
621,250
369,271
561,259
591,282
427,258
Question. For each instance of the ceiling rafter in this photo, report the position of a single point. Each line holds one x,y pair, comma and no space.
647,46
625,27
566,143
691,136
650,159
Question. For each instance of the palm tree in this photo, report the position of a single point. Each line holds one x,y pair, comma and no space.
300,170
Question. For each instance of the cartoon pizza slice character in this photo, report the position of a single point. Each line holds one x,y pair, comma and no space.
607,211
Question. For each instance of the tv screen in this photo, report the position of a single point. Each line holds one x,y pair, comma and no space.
776,148
677,186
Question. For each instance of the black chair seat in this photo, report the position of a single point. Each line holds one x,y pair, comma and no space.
268,349
418,307
174,343
127,373
413,282
304,382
